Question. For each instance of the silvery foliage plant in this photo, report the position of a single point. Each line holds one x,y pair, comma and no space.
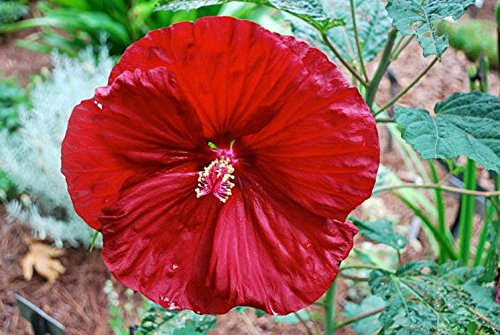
31,156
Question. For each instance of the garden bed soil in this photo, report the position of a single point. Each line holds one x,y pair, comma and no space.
77,298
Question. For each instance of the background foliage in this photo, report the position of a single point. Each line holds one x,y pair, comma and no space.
31,156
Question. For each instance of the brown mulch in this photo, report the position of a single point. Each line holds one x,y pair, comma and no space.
77,299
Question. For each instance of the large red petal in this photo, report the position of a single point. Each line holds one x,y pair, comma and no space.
322,153
200,254
236,74
136,126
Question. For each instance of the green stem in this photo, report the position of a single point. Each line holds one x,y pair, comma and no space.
467,212
360,317
310,317
385,120
94,240
397,44
497,187
441,187
356,38
407,88
342,60
382,67
330,310
397,51
495,203
363,267
488,214
440,208
440,238
354,278
308,330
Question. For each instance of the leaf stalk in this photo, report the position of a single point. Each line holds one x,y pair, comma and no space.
382,67
325,39
407,88
356,38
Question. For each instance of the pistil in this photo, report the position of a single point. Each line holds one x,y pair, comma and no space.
216,178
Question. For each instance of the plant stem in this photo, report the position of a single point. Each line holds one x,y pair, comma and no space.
400,261
359,317
363,267
354,278
397,51
308,330
385,120
440,208
330,310
316,328
496,204
342,60
382,67
407,88
356,38
397,44
488,214
438,186
467,212
441,239
94,240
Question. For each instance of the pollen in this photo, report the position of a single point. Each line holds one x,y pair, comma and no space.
216,179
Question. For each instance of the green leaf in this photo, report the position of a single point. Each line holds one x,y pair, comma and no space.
310,11
368,325
420,18
424,298
161,321
259,313
380,231
372,23
465,124
292,317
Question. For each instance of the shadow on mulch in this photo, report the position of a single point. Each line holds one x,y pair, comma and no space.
76,299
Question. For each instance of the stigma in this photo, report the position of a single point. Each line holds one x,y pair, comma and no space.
216,178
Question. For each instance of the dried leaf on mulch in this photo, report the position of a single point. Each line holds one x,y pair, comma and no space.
40,258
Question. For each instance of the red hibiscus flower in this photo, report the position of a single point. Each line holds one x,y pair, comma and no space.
220,164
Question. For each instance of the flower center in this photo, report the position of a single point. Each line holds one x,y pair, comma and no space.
216,178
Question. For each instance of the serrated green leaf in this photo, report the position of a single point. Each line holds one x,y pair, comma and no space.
425,298
380,231
465,124
161,321
310,11
420,18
